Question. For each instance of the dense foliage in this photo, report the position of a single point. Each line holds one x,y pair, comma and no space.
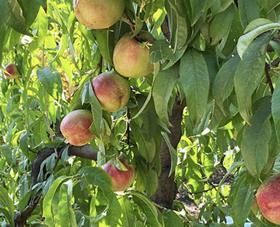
217,59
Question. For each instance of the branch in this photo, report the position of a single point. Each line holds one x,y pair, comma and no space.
165,29
268,78
86,152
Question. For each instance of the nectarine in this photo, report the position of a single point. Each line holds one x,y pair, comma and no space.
75,127
132,58
268,199
98,14
111,90
121,180
11,71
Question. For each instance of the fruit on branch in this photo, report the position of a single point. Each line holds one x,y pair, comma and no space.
132,58
268,199
111,90
98,14
121,179
75,127
11,71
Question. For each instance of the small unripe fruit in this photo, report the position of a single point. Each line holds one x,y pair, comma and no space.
268,199
111,90
132,58
75,127
98,14
121,180
11,71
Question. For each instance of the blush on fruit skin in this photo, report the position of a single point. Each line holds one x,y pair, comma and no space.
132,58
121,180
111,90
75,127
11,71
98,14
268,199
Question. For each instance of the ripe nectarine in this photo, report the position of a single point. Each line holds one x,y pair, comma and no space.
75,127
111,90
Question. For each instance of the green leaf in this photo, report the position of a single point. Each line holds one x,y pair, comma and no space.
147,207
128,216
16,19
162,91
176,13
256,137
98,177
245,40
65,212
145,143
51,81
242,195
223,83
220,26
104,44
172,219
48,200
172,151
151,182
248,10
276,108
249,74
7,205
30,10
88,96
194,79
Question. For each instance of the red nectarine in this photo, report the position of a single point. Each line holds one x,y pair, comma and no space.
75,127
121,180
111,90
268,199
132,58
98,14
11,71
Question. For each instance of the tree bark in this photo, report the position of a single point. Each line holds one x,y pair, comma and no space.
167,189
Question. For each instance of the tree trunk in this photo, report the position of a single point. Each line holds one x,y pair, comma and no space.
167,189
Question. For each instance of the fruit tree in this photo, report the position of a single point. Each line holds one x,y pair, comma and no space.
127,113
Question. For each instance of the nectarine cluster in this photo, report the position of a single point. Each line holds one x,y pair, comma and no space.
131,58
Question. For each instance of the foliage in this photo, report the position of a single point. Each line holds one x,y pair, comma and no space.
220,58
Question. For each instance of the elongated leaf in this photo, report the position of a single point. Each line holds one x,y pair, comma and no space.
48,200
249,74
104,44
51,81
146,145
242,195
147,207
173,152
97,176
6,205
194,79
128,217
220,26
248,10
162,91
276,109
177,23
245,40
256,137
65,212
88,96
223,83
172,219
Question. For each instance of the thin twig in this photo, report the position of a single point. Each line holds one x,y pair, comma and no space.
268,78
